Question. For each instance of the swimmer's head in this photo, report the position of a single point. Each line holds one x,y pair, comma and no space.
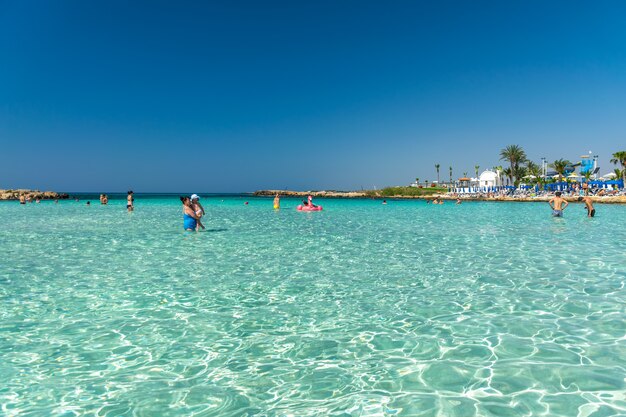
194,197
580,199
130,192
558,194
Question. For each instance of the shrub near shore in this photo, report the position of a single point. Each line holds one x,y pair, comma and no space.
406,192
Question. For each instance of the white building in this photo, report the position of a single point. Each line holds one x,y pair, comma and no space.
489,179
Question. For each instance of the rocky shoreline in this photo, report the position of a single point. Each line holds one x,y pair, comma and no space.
319,194
362,194
32,195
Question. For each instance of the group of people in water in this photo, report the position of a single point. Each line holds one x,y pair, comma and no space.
193,211
558,204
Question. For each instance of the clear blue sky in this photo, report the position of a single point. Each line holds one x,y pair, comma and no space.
238,96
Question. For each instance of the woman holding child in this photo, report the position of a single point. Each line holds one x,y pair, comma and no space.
190,218
192,212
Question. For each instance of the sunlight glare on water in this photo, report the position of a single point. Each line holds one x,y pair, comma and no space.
363,309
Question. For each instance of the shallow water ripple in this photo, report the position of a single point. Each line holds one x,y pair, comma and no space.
361,310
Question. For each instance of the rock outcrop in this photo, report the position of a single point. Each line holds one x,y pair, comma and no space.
32,195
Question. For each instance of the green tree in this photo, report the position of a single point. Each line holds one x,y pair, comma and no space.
417,181
476,168
508,173
559,166
515,155
534,170
620,158
519,173
437,168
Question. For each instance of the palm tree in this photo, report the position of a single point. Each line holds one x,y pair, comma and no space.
476,168
508,173
437,168
515,155
620,158
559,166
519,173
417,181
619,172
587,175
534,170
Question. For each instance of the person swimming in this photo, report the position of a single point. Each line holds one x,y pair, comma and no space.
276,202
190,219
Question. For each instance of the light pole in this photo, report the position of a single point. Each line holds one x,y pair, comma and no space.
595,166
543,166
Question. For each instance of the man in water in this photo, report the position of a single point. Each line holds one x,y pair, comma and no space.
558,204
130,202
588,205
277,202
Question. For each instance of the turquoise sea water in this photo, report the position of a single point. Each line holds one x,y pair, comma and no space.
408,309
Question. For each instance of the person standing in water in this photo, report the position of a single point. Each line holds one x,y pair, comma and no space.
198,209
588,205
190,218
558,204
130,202
277,202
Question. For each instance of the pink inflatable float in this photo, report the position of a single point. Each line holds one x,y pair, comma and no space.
310,206
307,208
